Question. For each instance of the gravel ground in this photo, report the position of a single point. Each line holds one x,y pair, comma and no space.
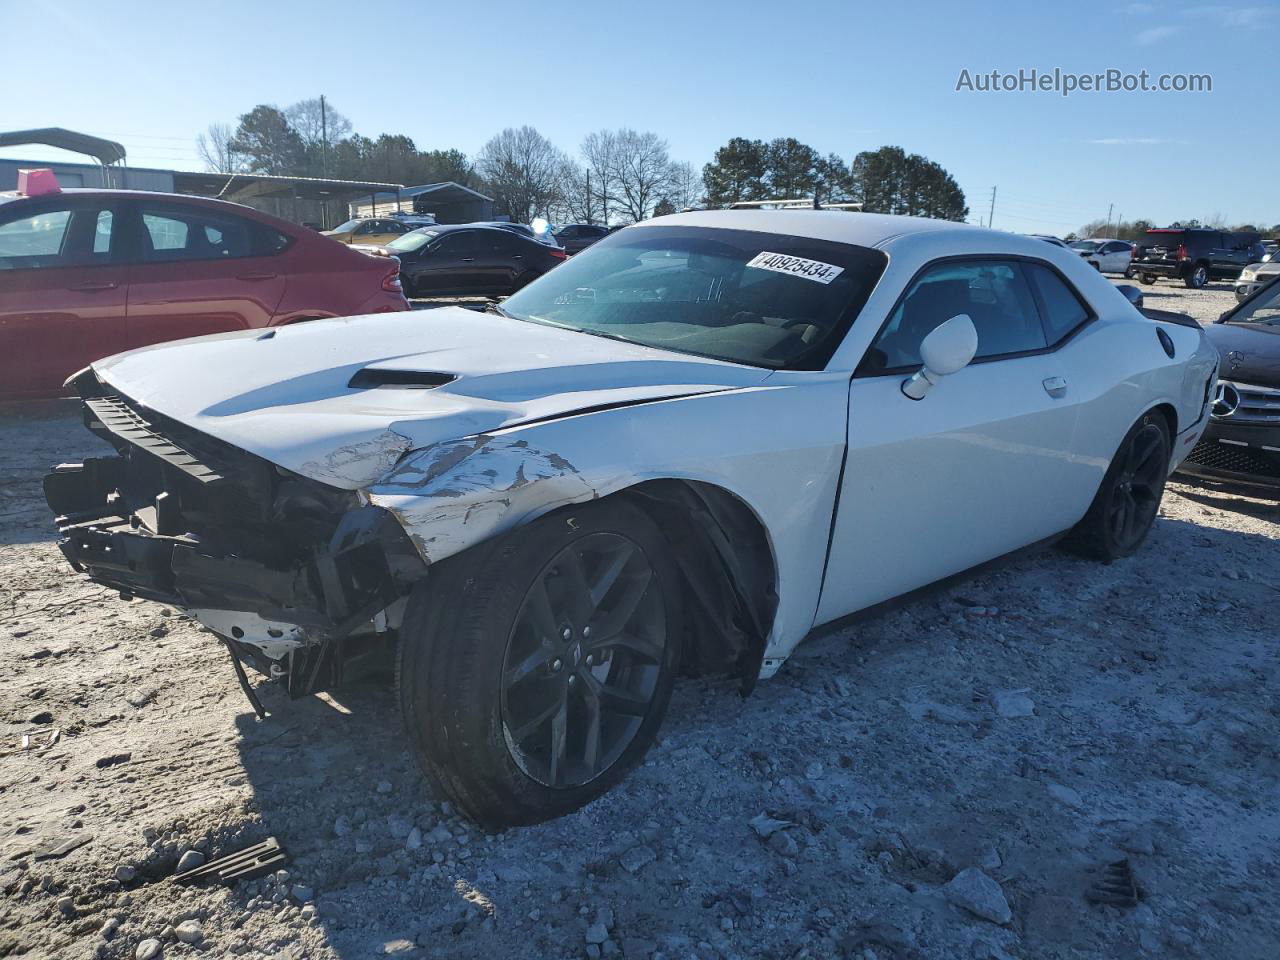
947,781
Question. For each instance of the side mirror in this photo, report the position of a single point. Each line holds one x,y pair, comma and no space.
1131,293
947,349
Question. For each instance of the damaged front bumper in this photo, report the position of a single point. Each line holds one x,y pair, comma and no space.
293,574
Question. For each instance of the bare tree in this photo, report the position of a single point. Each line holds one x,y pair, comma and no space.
215,148
579,200
641,172
321,128
599,152
687,191
522,170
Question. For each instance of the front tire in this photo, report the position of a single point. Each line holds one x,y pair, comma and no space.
535,670
1125,506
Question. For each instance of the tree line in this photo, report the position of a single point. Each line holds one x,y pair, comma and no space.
1132,231
615,176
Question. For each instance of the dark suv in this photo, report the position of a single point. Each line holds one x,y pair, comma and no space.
1195,256
576,237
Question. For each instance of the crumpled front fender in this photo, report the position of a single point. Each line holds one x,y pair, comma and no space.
452,495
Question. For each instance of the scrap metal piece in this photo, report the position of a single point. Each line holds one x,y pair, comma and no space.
1116,887
262,858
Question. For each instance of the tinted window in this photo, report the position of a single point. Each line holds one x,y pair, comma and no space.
993,293
506,243
75,236
1062,309
180,233
458,244
766,299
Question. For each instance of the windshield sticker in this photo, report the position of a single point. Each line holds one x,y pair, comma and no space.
814,270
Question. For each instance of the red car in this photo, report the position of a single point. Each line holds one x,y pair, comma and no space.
88,273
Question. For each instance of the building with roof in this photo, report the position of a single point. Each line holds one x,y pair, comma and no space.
316,201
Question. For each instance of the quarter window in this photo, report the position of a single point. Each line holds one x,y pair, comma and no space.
993,293
1062,309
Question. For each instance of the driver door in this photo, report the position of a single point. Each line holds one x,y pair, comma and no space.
978,468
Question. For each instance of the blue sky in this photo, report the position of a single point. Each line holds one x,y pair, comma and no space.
841,76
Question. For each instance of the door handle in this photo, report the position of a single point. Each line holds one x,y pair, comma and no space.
256,276
95,285
1055,386
468,259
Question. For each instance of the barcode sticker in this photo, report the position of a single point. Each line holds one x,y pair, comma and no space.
814,270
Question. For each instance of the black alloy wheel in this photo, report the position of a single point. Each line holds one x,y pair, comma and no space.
1138,486
534,669
583,661
1124,508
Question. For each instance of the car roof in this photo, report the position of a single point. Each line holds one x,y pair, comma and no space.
859,229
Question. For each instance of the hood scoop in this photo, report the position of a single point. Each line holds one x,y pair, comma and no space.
373,377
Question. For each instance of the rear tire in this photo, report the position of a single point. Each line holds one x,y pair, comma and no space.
1198,277
1128,499
1149,278
534,670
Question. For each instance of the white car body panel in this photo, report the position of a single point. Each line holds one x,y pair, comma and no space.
540,418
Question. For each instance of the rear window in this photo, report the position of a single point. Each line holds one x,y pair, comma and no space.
764,299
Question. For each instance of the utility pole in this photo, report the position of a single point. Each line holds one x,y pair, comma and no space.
324,138
1110,207
992,215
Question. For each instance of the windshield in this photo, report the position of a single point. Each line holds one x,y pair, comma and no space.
413,240
763,299
1089,246
1264,308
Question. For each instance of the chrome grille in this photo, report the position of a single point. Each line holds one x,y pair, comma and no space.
1256,404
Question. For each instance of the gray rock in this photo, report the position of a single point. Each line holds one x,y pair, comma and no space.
604,917
190,860
979,894
341,826
189,931
1065,795
782,842
66,906
766,826
813,771
303,893
384,786
1013,703
126,873
637,858
308,913
399,947
414,840
597,933
637,948
148,949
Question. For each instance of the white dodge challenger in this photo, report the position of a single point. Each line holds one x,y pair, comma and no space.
685,448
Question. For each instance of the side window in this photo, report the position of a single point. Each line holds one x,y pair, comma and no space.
172,234
48,238
457,244
993,293
364,228
34,240
1063,311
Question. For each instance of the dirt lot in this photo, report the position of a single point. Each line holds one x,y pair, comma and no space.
1038,722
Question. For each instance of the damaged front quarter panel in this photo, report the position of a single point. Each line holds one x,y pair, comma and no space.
452,495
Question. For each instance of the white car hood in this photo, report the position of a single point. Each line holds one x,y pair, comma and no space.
283,394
